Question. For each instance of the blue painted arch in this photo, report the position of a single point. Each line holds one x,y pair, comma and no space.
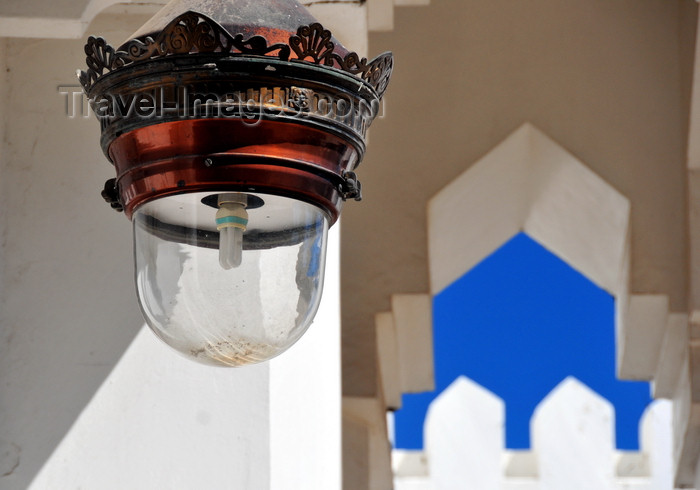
518,324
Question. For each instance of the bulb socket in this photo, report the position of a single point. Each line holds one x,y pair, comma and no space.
232,213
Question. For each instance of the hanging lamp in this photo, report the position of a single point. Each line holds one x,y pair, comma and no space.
235,128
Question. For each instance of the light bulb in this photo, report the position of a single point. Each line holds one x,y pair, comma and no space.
231,222
229,297
230,247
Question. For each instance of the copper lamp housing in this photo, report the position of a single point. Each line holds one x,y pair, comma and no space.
246,95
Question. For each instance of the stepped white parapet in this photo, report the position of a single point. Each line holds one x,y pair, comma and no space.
463,414
572,445
573,438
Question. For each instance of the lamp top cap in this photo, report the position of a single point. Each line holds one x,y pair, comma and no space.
276,20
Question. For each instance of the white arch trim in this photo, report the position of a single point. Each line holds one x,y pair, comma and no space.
530,183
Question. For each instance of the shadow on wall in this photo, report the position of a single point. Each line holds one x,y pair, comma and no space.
519,323
67,305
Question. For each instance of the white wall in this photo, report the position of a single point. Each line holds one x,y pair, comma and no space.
67,306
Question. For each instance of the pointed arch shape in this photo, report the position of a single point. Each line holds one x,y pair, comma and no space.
529,183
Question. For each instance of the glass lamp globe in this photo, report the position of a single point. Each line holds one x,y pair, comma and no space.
228,278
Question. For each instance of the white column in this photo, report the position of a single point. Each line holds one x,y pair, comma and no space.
305,396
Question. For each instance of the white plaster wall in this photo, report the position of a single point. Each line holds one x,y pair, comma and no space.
162,421
3,106
346,20
67,306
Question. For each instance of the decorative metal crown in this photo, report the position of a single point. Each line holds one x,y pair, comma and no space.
193,32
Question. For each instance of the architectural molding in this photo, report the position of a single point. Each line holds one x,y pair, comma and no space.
405,347
529,183
365,429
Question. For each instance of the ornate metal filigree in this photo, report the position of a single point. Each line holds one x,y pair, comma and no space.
195,33
378,72
314,42
300,99
192,32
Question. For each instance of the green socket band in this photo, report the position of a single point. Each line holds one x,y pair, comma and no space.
231,220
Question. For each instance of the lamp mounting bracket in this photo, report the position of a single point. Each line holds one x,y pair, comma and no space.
351,188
